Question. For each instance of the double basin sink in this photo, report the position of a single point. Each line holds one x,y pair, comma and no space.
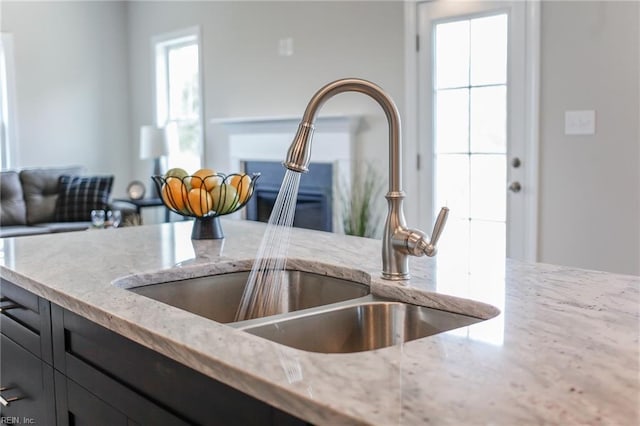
319,313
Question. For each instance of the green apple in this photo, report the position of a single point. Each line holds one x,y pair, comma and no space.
176,172
225,198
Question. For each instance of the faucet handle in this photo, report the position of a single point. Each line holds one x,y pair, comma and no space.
438,227
417,243
430,248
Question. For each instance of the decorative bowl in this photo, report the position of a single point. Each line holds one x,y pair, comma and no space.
206,198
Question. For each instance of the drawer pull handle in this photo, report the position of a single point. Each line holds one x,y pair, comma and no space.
10,305
7,401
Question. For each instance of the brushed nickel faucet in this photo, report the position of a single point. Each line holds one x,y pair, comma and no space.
398,241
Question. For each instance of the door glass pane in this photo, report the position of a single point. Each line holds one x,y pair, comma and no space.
488,187
452,183
488,245
452,120
489,119
489,50
452,54
453,249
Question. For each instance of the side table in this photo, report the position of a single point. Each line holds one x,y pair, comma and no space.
146,202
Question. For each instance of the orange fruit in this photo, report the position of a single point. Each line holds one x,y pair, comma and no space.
206,178
174,193
200,201
242,183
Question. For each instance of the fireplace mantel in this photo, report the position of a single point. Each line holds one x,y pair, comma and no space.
278,124
268,138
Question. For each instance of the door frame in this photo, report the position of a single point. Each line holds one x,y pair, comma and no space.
418,163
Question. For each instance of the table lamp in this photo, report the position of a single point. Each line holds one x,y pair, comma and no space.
153,144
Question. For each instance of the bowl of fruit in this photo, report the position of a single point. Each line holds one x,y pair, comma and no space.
205,196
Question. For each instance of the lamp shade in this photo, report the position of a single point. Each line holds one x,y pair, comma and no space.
153,142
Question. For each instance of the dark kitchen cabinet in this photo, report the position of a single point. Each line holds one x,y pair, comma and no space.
147,387
71,371
26,373
27,386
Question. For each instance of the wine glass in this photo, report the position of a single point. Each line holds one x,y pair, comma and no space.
97,218
114,217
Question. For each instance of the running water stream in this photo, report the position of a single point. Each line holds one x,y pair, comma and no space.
265,291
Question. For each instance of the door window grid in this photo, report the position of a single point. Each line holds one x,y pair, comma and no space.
470,90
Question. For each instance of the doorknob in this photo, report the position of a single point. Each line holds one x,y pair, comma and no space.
515,186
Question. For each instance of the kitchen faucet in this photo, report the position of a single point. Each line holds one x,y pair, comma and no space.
398,241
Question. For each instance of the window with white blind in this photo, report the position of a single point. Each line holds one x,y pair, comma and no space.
8,122
179,96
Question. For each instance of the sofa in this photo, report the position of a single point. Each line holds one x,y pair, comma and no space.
46,200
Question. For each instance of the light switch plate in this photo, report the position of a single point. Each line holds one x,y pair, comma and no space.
285,46
580,122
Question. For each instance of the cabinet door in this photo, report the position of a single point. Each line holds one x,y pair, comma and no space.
83,408
27,378
88,396
149,387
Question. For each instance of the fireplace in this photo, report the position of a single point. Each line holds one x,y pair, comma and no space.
260,145
315,195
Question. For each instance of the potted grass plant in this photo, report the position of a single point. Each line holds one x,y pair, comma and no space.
361,205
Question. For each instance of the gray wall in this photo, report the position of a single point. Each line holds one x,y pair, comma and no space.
83,72
590,185
245,77
71,85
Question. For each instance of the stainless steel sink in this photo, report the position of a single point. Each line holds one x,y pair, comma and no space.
320,313
217,297
360,327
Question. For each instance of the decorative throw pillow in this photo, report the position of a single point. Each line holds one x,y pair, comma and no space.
40,186
78,195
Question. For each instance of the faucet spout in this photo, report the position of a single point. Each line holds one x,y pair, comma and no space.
398,241
298,155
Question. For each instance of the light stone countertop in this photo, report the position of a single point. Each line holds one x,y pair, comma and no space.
563,350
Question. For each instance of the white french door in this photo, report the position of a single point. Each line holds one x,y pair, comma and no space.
475,127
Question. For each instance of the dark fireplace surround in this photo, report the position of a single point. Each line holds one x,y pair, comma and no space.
314,206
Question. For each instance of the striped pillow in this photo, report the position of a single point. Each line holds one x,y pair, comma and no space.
78,195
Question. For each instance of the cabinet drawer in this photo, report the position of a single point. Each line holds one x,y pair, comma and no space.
25,318
26,377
